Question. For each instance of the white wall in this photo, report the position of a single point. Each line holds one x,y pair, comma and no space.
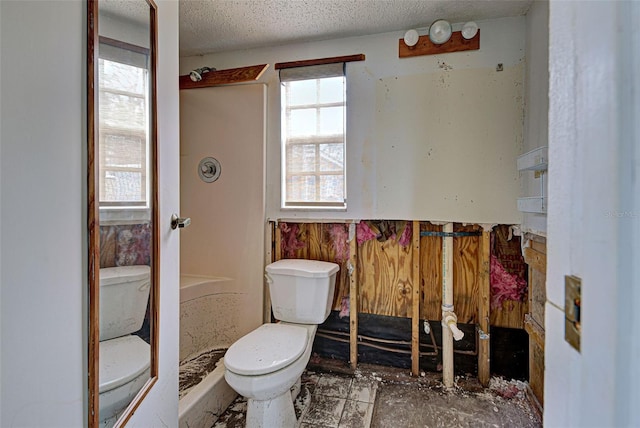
43,248
405,158
593,213
536,106
43,191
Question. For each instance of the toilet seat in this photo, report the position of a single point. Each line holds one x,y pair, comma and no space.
121,360
266,349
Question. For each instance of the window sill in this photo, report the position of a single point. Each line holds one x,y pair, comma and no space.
122,216
314,209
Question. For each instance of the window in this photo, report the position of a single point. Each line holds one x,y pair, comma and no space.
313,137
123,128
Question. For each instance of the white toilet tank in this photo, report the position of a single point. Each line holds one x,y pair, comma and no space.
124,294
301,290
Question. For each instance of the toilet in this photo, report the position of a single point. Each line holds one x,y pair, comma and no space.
124,358
265,365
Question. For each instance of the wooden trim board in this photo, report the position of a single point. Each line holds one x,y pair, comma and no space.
319,61
456,43
224,77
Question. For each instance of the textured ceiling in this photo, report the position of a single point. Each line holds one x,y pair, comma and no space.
208,26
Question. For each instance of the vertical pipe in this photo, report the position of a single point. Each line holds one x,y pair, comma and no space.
447,305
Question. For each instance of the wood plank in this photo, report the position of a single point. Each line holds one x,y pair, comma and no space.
431,273
510,314
484,308
415,302
535,259
535,330
225,77
385,280
353,302
465,274
278,246
319,61
536,371
456,43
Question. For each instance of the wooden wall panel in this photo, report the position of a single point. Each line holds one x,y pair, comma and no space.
385,278
510,315
385,275
431,273
465,274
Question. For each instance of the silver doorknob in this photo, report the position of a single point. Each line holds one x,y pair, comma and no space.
179,222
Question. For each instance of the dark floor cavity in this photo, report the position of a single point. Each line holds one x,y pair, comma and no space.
194,370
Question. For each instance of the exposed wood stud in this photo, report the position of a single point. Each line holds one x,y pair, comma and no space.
278,249
415,302
224,77
353,301
484,369
536,259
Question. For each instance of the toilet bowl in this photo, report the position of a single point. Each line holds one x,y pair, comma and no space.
124,358
124,369
267,363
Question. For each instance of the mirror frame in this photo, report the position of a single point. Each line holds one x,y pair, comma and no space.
93,218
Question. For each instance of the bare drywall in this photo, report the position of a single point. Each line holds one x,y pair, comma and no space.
450,139
373,189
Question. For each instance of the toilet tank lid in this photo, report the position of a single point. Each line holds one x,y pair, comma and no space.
122,274
303,267
266,349
121,360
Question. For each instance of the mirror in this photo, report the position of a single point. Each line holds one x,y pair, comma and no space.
122,207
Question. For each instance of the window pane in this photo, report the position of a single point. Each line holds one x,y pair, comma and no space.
122,151
301,158
331,120
332,90
302,122
121,186
331,157
301,188
123,77
332,188
302,92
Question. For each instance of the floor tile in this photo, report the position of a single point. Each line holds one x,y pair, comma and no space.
363,389
333,386
356,414
324,411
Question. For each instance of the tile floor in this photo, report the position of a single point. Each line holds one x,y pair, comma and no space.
375,397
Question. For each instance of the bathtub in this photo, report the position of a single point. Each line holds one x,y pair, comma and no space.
209,311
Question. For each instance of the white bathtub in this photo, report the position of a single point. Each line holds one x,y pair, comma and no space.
209,311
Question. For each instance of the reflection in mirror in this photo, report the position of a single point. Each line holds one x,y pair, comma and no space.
122,208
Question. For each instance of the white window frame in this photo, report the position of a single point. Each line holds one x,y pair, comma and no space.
312,73
127,212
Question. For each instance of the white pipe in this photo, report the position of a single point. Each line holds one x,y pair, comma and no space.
450,328
447,305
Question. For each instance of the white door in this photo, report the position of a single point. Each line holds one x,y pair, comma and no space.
160,407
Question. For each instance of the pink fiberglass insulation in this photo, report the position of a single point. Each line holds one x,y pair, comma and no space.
344,307
289,239
364,233
340,236
505,286
405,237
